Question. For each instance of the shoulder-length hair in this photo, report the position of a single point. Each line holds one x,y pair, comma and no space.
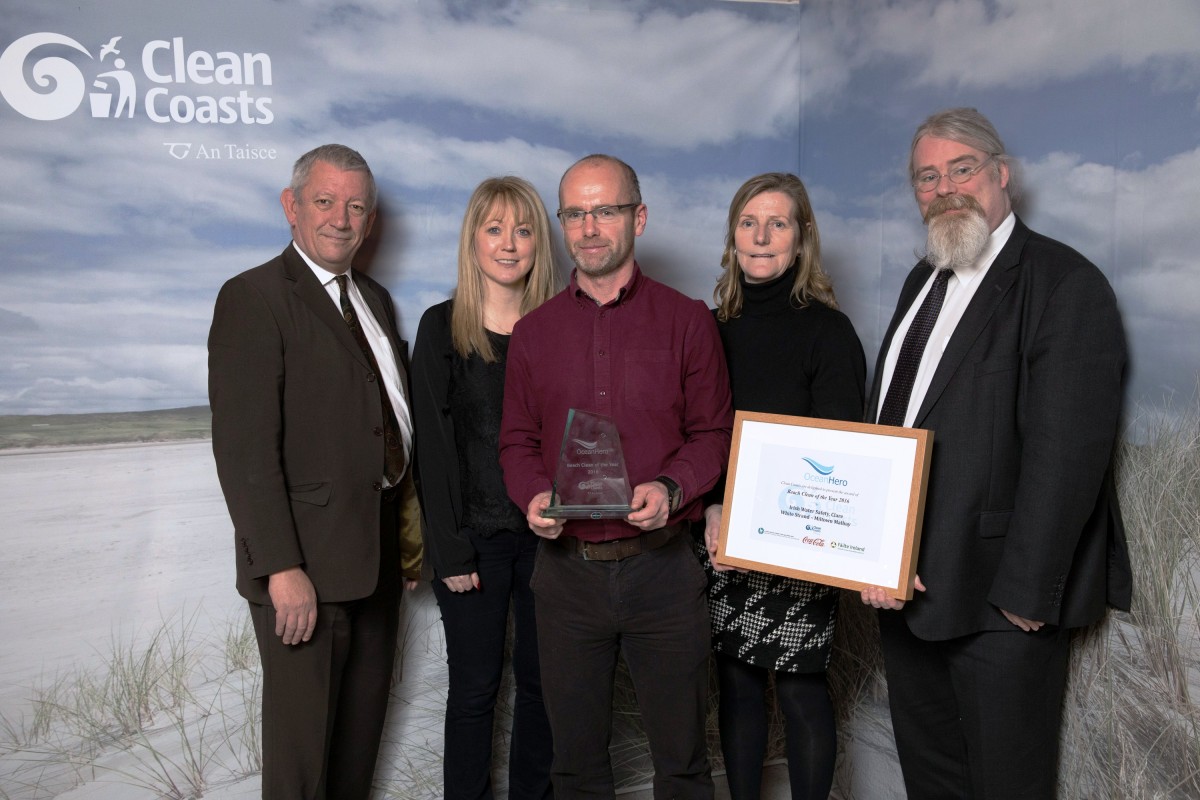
508,195
811,281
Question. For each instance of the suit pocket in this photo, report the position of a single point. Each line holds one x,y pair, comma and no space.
316,494
994,524
1005,363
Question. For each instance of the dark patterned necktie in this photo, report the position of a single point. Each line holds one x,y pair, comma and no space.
895,405
393,454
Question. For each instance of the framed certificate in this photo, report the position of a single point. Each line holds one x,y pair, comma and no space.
839,503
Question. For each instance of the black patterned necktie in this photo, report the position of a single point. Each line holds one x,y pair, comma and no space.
393,453
895,405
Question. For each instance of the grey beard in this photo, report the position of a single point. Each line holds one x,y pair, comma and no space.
956,240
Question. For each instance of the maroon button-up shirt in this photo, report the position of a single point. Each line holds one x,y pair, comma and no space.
651,360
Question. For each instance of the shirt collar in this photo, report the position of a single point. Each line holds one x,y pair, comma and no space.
324,276
624,294
995,244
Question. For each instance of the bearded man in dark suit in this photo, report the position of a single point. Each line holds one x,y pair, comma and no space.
311,434
1019,375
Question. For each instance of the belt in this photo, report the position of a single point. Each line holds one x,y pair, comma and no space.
621,549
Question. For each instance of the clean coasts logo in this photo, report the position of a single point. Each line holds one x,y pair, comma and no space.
177,84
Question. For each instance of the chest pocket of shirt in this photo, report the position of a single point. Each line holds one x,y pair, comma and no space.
651,379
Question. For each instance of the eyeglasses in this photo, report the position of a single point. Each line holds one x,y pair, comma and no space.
603,215
928,181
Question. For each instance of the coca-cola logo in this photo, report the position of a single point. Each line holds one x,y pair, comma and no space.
814,541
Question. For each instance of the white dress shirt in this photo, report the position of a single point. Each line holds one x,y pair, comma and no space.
959,291
381,346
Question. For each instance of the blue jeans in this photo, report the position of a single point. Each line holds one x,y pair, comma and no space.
476,625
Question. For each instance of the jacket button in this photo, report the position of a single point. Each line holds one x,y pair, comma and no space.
377,486
377,431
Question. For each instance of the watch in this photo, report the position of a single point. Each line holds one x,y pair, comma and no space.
674,493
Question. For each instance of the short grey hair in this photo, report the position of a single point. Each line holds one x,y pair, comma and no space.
338,156
966,126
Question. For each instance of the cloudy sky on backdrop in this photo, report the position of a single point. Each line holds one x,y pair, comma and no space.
116,233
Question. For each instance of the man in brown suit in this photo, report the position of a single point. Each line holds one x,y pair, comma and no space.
311,434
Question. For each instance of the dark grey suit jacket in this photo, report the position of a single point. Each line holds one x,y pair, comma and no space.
297,429
1021,512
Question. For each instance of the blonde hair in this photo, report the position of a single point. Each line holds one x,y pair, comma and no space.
811,281
516,196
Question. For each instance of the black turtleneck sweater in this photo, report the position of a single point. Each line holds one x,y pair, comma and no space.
802,361
786,359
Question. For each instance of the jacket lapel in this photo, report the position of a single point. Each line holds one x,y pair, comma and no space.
996,284
908,293
383,316
313,294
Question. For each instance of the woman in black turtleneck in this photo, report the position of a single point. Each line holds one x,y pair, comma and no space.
790,351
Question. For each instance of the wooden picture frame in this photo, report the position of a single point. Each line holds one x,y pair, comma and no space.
838,503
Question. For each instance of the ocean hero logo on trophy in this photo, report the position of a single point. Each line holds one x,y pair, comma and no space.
591,481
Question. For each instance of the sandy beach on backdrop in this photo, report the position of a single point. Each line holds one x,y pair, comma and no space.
102,548
106,542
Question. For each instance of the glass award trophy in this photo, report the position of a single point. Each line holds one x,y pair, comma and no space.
591,481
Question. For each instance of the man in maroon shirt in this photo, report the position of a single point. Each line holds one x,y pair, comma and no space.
619,344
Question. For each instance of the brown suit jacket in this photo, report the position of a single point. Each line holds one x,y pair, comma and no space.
296,431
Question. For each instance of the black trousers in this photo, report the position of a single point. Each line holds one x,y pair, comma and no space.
476,625
652,609
324,701
978,716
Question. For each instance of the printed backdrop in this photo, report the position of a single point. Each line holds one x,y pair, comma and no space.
145,145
